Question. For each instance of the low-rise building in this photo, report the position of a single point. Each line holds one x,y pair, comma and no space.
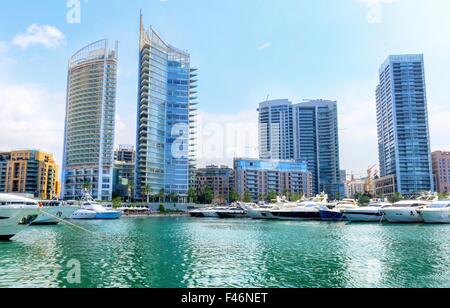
258,177
32,172
355,186
441,171
220,179
125,153
385,186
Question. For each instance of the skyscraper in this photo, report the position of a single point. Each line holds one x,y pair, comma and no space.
403,131
165,156
90,121
306,132
275,130
316,141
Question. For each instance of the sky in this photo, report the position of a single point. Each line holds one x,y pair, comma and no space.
245,50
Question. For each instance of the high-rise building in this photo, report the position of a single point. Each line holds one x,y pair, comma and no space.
276,134
125,153
259,178
403,130
165,154
90,121
307,132
316,141
4,158
441,171
219,179
32,172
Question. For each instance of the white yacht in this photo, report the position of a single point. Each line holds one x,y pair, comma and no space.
437,212
305,210
90,209
263,211
370,213
235,211
208,212
335,213
404,211
53,212
16,213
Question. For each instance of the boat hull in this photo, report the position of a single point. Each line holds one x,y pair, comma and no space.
15,220
111,215
406,215
296,215
331,215
232,214
364,217
254,214
54,215
435,217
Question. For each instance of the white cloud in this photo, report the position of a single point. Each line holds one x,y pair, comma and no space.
32,118
264,46
48,36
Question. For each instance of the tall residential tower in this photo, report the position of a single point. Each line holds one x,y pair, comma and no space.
90,121
305,132
165,155
403,132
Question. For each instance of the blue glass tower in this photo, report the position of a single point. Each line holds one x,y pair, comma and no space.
165,156
403,130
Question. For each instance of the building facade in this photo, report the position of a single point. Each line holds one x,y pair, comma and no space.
441,171
403,130
219,179
355,186
276,134
32,172
90,121
258,178
165,154
125,153
385,186
4,158
308,132
123,179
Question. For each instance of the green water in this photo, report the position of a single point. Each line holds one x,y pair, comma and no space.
187,252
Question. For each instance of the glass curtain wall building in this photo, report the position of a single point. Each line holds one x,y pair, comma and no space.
403,129
306,132
90,122
165,155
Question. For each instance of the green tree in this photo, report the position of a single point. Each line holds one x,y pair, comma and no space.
162,209
161,195
286,193
208,195
192,195
247,197
147,191
294,197
396,197
272,196
233,196
87,186
173,197
362,198
443,196
117,202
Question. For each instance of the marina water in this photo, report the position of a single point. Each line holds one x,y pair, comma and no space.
189,252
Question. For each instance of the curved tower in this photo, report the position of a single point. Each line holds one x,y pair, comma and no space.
90,121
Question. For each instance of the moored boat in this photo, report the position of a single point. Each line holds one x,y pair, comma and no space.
16,214
437,212
53,212
370,213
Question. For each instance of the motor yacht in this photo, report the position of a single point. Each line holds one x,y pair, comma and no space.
16,214
335,213
304,210
208,212
235,211
404,211
53,212
437,212
90,209
370,213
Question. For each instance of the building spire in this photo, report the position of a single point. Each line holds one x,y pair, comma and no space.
142,33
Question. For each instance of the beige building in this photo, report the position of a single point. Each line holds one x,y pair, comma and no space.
219,179
32,172
441,171
385,186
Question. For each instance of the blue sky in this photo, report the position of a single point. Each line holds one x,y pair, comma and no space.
244,49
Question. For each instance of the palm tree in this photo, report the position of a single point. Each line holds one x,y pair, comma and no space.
147,191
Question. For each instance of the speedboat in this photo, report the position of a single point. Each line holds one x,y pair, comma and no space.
336,213
404,211
16,214
437,212
53,212
370,213
305,210
90,209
